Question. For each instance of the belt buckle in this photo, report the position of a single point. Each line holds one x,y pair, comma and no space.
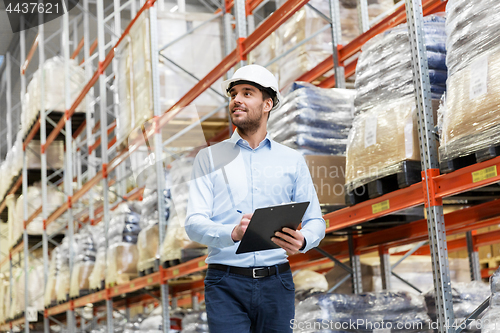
254,270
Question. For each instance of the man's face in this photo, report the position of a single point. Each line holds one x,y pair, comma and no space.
247,108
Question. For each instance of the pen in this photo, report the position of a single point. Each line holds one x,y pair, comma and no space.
239,211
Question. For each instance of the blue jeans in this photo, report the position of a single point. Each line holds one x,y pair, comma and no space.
237,303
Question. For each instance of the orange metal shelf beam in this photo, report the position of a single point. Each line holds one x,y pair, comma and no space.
398,200
78,49
13,189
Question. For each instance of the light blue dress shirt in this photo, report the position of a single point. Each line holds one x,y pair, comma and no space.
268,175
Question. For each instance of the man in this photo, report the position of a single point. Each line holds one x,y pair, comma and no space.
250,292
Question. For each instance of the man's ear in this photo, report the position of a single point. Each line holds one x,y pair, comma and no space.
268,104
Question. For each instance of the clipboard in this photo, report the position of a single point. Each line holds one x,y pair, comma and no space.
266,221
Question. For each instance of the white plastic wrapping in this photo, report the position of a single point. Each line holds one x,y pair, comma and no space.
307,279
53,87
491,318
473,98
380,138
99,272
84,262
50,296
176,238
63,271
313,120
466,298
55,199
122,253
384,70
135,82
370,312
4,297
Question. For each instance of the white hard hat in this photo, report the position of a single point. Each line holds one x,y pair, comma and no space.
255,74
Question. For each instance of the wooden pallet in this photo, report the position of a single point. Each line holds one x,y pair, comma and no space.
481,155
409,173
150,270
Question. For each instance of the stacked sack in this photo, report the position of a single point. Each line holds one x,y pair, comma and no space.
122,255
313,120
50,297
149,237
84,262
466,298
63,270
491,318
98,275
470,123
177,246
385,129
195,322
397,312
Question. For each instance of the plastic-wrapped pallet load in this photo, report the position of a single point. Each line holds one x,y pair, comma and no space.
12,166
97,277
396,312
53,86
4,297
491,318
313,120
466,298
63,271
384,70
135,82
470,123
149,238
84,262
122,254
176,239
385,130
50,297
195,322
55,199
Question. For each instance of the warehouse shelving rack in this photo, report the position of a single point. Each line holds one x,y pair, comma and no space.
431,194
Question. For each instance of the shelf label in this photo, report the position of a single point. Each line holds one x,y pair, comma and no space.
201,263
380,207
370,131
132,285
484,174
116,291
478,78
327,222
31,314
175,272
150,280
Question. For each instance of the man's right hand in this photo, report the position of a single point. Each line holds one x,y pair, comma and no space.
240,229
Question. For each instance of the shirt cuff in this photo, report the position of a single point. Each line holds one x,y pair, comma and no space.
307,236
225,235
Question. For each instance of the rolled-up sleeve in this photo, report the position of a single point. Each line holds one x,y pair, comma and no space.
199,226
313,224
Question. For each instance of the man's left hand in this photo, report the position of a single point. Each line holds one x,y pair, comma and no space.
291,240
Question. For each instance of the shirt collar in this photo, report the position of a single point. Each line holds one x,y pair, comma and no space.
237,139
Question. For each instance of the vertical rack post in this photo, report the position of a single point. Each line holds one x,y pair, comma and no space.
475,268
89,110
25,240
430,167
158,152
385,267
43,159
227,32
336,41
357,282
68,172
8,97
120,169
241,27
101,42
363,18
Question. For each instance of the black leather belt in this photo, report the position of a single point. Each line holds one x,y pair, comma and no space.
254,272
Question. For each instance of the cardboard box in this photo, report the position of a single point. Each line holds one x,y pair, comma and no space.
328,176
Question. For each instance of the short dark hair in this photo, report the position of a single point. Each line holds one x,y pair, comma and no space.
268,94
